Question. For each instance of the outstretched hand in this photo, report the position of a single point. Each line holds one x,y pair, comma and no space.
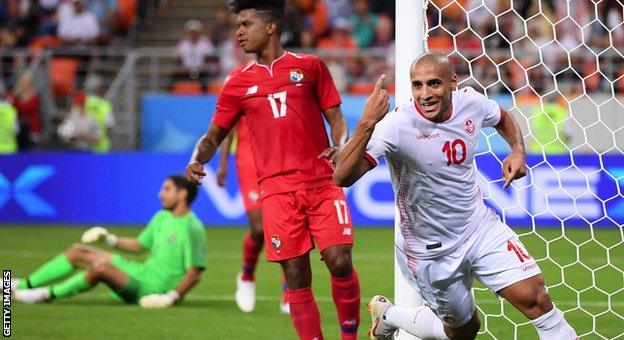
514,167
378,103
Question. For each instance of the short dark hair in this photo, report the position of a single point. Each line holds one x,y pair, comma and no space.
272,9
181,182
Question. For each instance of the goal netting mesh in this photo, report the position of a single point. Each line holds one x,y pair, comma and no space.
557,66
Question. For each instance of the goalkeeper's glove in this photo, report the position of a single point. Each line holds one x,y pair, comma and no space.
159,300
97,234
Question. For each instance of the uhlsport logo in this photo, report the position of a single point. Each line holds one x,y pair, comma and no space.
22,190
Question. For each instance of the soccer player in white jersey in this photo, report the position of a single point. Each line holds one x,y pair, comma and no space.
449,236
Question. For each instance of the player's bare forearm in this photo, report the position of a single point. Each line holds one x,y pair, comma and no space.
129,244
208,144
203,152
514,166
351,164
510,131
190,279
337,125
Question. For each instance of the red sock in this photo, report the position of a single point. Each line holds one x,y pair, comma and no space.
346,294
251,252
304,314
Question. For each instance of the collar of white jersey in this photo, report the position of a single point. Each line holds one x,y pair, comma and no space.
268,68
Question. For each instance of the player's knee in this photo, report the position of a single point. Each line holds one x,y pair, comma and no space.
339,265
297,279
257,234
475,325
466,332
99,270
297,276
255,222
542,300
74,252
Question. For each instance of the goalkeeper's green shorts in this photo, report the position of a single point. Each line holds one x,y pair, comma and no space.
138,285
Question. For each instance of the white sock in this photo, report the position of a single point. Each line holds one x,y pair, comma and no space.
15,283
419,321
552,325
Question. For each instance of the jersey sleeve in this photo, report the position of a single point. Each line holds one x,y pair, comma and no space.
326,91
195,247
146,237
383,141
491,110
228,109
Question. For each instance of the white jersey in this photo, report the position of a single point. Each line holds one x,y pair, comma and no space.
433,172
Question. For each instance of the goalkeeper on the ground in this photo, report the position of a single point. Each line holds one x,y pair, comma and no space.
174,238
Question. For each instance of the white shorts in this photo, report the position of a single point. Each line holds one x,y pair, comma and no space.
493,255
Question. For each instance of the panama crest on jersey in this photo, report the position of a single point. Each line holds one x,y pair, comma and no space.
276,242
296,75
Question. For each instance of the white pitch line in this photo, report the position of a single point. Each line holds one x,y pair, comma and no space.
327,299
236,256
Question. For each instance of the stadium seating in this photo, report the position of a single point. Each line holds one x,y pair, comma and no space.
63,75
187,87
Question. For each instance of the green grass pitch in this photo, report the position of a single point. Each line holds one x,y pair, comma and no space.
585,276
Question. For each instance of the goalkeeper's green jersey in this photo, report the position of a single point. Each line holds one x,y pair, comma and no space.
176,243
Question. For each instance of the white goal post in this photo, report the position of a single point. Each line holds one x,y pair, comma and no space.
409,44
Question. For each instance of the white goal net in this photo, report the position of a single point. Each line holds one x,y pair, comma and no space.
558,67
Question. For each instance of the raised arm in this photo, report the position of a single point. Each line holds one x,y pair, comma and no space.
203,152
351,164
514,166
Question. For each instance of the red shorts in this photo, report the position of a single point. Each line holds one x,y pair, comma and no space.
296,221
249,188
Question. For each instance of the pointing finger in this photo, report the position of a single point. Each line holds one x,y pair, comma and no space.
509,176
380,83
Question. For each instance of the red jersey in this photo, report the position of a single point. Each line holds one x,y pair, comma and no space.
282,105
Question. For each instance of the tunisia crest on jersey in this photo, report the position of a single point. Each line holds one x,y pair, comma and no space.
469,126
296,75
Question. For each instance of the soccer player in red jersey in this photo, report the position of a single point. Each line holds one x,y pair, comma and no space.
284,97
250,190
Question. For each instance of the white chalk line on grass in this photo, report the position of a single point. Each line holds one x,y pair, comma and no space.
327,299
236,256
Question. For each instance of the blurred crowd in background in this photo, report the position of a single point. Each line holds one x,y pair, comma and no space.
534,48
